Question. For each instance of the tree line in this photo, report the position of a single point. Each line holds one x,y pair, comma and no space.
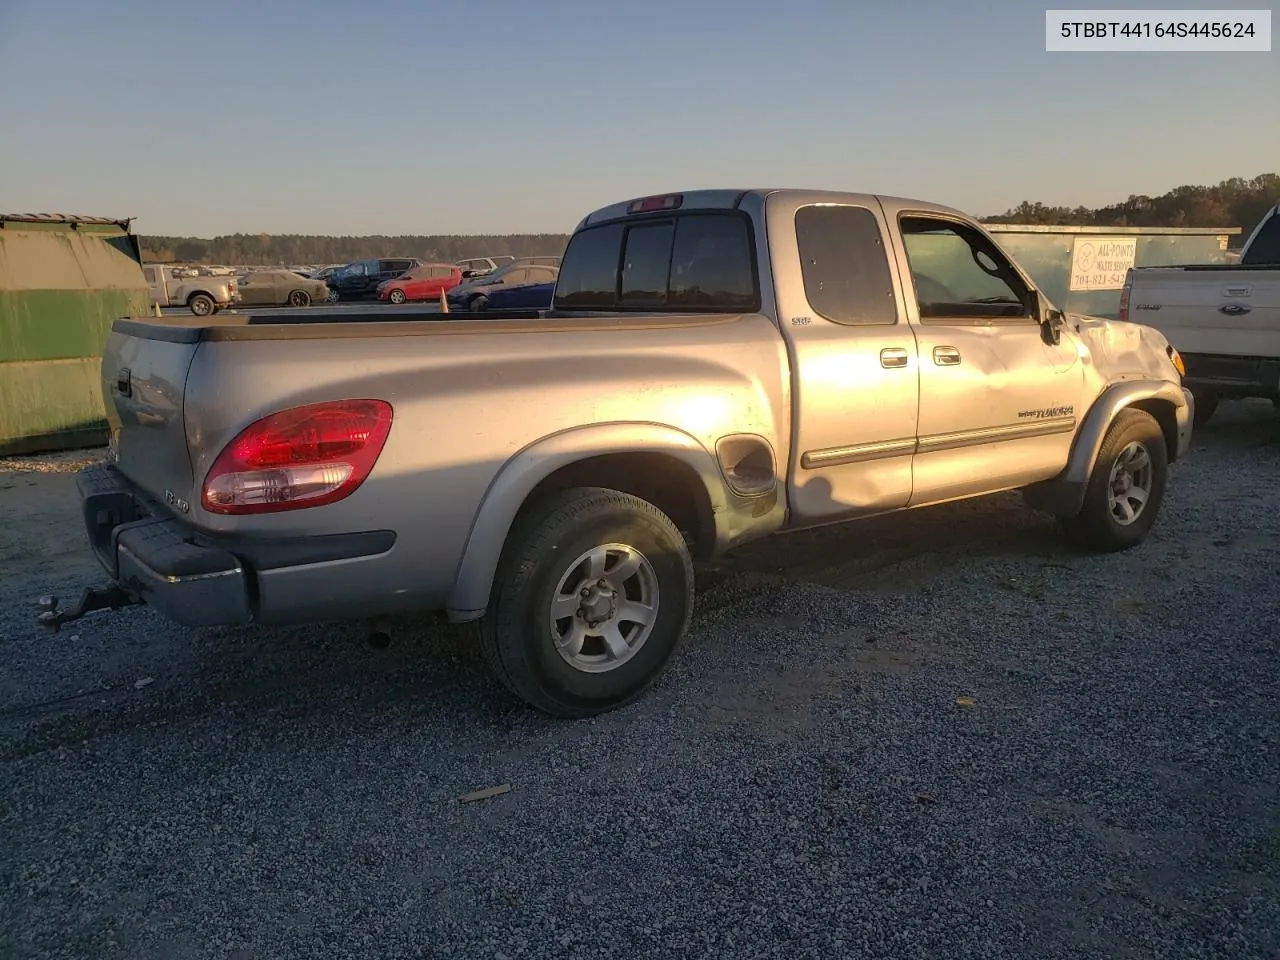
1237,202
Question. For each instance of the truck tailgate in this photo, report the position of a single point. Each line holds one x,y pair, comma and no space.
144,374
1229,312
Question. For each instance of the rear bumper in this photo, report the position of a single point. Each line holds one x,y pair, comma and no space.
197,579
150,555
1229,376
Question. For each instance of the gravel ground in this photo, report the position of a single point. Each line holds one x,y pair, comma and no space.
943,734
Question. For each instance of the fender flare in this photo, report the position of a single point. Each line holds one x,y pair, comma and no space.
522,472
1064,494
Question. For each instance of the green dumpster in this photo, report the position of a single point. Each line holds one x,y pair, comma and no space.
63,281
1082,269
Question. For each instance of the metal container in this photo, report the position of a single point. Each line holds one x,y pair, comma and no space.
1082,269
63,281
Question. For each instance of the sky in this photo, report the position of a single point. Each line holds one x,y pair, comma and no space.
508,116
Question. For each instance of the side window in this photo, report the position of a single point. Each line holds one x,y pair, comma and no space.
959,274
151,276
646,261
845,266
711,264
516,276
542,274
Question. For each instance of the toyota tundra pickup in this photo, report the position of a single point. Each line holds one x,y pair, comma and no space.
1224,318
717,366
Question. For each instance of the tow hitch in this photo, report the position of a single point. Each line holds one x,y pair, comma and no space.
105,598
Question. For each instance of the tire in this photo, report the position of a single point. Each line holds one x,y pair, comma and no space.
201,304
558,549
478,304
1206,405
396,296
333,296
299,298
1134,448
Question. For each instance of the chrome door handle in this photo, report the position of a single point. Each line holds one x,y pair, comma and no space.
946,356
893,357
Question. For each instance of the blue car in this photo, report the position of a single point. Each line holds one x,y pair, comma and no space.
520,296
477,293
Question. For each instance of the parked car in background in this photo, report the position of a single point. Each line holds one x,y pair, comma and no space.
479,266
424,282
324,273
359,280
1223,318
473,295
202,295
535,295
281,288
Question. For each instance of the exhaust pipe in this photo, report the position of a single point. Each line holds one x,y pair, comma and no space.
379,637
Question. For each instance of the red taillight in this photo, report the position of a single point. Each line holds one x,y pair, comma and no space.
671,201
1124,297
303,457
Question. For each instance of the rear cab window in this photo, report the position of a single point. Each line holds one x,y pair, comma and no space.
692,261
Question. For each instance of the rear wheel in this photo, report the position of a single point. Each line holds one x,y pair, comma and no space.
591,600
333,296
201,304
396,296
1206,406
1125,491
299,298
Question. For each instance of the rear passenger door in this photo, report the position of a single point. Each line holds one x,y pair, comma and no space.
855,376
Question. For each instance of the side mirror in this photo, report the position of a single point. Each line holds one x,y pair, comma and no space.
1051,320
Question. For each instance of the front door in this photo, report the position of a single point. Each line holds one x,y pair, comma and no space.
999,404
855,376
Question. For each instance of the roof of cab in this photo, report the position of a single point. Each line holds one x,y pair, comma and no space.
727,199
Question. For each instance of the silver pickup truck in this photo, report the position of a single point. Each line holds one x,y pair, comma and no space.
717,366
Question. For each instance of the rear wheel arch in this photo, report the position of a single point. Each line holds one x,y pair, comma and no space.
660,465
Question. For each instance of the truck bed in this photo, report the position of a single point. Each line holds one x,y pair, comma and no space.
364,313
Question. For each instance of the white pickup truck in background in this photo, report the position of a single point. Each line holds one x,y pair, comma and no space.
1224,319
202,295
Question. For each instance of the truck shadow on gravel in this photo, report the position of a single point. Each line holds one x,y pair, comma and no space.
313,673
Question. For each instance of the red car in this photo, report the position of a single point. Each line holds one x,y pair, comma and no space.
425,282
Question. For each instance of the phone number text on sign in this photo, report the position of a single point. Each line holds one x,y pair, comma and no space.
1101,263
1158,30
